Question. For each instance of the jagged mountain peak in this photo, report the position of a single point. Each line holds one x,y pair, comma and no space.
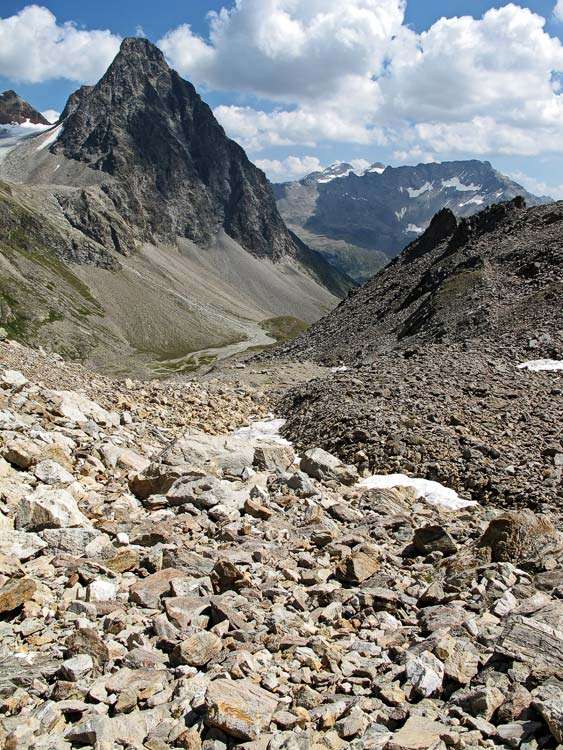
339,170
139,60
171,170
16,111
181,232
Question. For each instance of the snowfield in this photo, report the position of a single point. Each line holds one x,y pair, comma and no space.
416,192
542,365
458,185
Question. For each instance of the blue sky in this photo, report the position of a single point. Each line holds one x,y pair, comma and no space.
307,82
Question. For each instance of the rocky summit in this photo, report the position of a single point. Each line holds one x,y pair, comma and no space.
15,111
175,172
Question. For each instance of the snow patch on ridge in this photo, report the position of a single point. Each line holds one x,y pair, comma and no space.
413,228
329,178
477,199
416,192
458,185
51,138
377,170
433,493
11,135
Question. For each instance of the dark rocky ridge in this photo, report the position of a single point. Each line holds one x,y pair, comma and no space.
171,169
432,345
494,278
13,109
377,213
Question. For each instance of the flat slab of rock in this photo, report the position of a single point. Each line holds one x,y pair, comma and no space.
534,642
198,649
418,733
240,709
79,409
228,453
20,544
15,593
147,592
51,472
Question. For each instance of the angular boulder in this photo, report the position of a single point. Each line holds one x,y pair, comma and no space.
15,593
273,457
321,465
20,544
49,508
520,535
240,709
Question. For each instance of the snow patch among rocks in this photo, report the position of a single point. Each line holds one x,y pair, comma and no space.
433,493
542,365
263,430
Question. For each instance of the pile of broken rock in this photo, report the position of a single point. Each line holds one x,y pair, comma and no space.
211,591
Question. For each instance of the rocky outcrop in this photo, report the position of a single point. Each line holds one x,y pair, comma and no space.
15,111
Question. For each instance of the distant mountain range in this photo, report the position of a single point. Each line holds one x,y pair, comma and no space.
361,219
135,231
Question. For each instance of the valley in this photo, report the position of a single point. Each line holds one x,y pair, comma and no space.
166,267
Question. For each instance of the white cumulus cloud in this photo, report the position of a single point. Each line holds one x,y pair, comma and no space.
287,48
558,10
306,126
291,168
318,58
354,73
51,115
537,187
35,48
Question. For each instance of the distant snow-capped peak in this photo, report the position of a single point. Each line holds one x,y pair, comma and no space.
340,169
